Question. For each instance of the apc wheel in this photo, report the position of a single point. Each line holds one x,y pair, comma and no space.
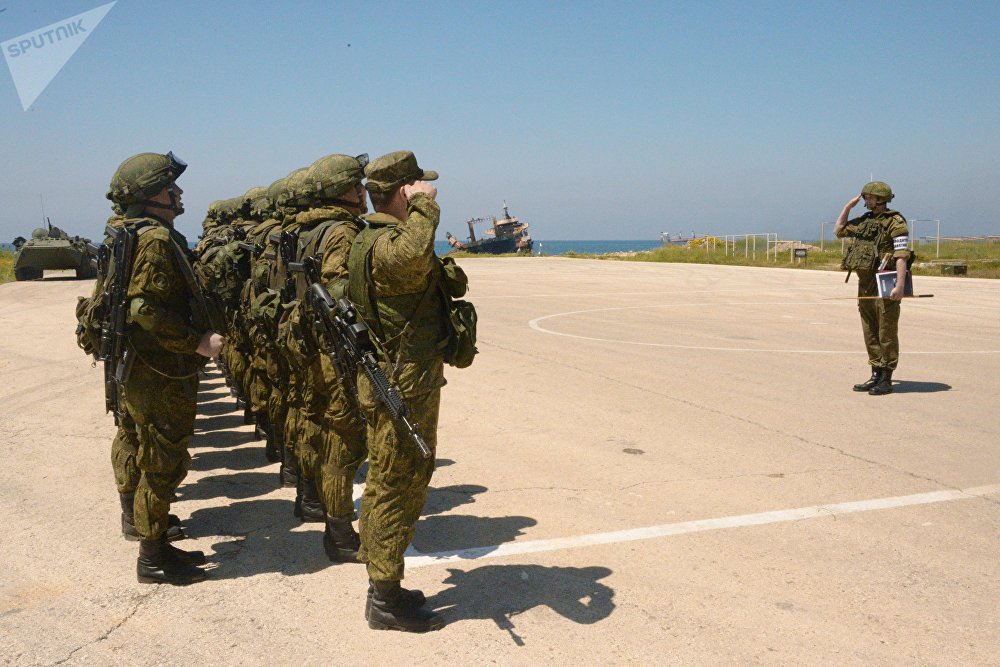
28,274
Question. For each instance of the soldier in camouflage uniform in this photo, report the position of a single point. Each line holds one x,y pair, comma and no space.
166,347
267,404
392,278
301,428
333,422
237,349
125,445
886,230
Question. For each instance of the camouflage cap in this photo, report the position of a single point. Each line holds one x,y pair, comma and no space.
390,171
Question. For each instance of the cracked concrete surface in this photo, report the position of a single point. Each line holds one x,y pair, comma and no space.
549,437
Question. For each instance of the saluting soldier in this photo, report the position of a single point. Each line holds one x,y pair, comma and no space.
167,341
392,274
885,234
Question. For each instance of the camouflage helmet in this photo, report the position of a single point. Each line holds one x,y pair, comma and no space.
143,176
229,209
213,215
214,209
879,189
333,175
292,192
253,194
261,207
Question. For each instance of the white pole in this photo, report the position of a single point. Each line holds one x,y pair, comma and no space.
938,256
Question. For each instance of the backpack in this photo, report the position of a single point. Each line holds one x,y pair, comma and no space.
461,349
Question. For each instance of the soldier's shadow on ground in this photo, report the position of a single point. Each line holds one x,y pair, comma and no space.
235,486
501,592
911,387
219,439
460,532
241,458
264,540
445,498
218,422
217,407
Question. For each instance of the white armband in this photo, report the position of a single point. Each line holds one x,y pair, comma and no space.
900,242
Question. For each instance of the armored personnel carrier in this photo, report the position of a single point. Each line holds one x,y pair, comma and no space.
51,249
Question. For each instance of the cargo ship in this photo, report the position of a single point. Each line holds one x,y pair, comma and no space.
504,236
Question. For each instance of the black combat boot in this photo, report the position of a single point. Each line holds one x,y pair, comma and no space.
248,416
174,530
389,610
157,564
289,472
308,507
411,598
870,382
191,557
884,385
340,541
271,449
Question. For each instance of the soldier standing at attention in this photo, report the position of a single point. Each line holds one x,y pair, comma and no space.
166,346
886,232
392,275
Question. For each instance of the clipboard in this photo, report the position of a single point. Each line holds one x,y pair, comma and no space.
886,281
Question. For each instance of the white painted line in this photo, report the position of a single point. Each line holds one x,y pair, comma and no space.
534,324
701,525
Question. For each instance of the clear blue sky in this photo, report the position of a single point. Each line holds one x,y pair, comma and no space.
594,120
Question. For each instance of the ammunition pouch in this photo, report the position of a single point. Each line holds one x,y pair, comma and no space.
861,255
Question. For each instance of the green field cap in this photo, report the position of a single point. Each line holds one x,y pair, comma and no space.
395,169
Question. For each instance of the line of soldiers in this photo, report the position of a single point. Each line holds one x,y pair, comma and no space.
248,279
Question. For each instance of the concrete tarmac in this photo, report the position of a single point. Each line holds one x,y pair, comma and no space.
647,464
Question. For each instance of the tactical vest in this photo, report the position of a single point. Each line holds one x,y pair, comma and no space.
388,316
311,245
864,251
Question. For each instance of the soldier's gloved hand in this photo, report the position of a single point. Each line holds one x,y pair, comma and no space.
419,186
211,344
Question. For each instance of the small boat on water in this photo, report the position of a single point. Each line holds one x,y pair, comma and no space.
506,235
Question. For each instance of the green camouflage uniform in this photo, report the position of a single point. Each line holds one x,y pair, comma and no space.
125,446
160,392
402,263
340,433
258,382
879,317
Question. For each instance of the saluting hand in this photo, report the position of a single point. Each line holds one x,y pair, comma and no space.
854,202
419,186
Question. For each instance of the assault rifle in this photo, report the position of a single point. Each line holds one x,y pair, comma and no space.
286,243
255,249
114,349
348,341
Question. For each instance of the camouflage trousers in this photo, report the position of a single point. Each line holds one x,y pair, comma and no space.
124,449
302,435
880,324
237,364
258,389
343,447
163,412
398,477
